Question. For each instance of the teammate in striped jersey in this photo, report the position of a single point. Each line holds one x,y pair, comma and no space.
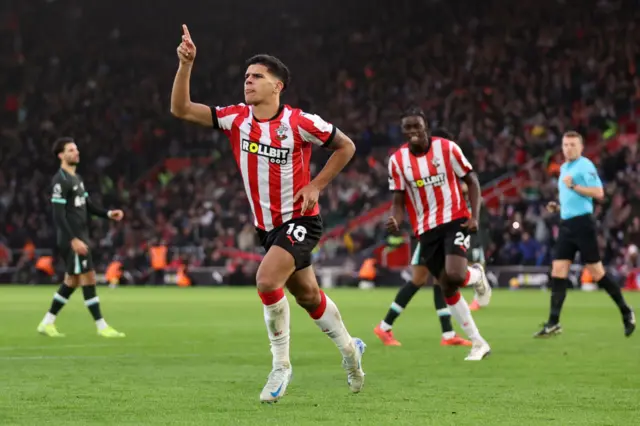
425,175
384,329
272,145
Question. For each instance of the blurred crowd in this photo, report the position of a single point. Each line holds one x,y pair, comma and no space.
523,232
508,78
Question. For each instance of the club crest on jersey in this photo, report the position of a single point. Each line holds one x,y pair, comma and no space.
281,132
275,155
57,191
435,162
435,180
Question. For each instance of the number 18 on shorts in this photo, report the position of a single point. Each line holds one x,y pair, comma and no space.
298,237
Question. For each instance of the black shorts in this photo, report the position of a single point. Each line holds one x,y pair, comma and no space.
74,263
297,236
577,234
448,239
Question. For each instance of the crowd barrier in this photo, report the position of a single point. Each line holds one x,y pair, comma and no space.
512,277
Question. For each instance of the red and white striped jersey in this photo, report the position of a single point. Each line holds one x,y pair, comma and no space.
273,157
431,183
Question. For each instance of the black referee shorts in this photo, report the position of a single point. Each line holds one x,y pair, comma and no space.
577,234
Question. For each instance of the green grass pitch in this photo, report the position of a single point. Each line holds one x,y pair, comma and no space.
201,356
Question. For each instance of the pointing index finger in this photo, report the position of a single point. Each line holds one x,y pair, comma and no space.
185,31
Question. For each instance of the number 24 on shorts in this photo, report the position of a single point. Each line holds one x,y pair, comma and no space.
298,232
462,241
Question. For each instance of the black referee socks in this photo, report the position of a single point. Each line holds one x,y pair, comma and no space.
613,289
558,294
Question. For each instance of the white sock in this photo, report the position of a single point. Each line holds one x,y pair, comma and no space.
277,317
448,335
330,322
101,324
474,276
49,318
384,326
461,313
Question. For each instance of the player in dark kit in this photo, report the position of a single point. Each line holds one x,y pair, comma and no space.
71,205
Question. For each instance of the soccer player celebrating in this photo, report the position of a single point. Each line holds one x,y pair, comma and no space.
272,145
71,202
425,175
578,185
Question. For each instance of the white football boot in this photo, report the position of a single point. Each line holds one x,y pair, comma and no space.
479,351
482,288
353,366
277,383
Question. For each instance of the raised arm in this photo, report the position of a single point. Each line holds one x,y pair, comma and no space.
181,105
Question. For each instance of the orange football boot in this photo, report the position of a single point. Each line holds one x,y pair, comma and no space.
455,341
386,336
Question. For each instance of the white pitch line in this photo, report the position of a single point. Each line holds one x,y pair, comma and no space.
54,357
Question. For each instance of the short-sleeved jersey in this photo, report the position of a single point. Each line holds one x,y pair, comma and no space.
583,172
273,157
69,190
431,183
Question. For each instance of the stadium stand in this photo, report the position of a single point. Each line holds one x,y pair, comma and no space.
507,77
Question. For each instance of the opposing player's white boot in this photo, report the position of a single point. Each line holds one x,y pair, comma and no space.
353,366
479,351
482,287
277,383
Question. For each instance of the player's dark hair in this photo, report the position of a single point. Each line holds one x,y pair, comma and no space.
275,67
442,133
414,112
60,144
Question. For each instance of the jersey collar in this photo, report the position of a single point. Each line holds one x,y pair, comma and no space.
278,114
